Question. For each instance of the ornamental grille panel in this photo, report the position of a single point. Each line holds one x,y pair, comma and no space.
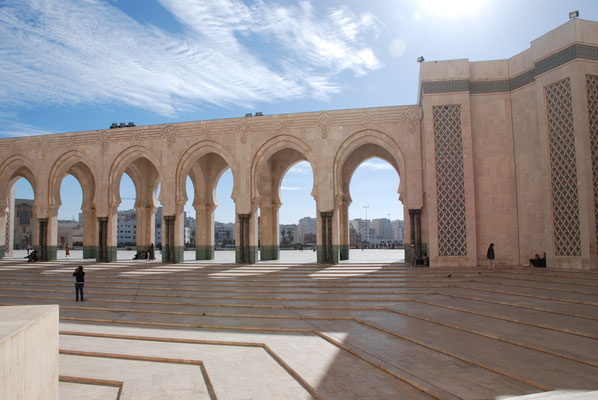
563,169
592,89
450,182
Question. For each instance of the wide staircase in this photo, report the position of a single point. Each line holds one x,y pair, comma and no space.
349,331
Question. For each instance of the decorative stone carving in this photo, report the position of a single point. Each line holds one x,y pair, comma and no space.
563,168
450,182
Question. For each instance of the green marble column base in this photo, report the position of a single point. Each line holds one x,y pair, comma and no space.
251,251
179,254
269,253
335,255
344,251
51,251
204,252
110,254
165,258
2,252
90,251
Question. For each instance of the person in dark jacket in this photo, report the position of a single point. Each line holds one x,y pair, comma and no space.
538,262
490,256
151,252
79,275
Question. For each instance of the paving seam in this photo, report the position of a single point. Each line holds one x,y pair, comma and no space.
533,308
263,346
264,329
222,297
198,363
554,289
413,382
587,303
552,328
92,381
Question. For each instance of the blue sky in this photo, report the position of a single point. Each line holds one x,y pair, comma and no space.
76,65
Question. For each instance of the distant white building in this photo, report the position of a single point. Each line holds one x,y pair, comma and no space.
126,226
381,227
290,232
306,226
364,229
397,231
224,231
69,231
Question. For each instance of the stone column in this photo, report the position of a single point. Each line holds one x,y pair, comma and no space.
52,234
42,244
418,233
204,231
343,226
246,237
107,236
269,231
146,226
168,243
3,227
10,224
90,231
179,234
327,250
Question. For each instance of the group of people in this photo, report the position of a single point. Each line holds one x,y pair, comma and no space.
148,254
423,261
537,261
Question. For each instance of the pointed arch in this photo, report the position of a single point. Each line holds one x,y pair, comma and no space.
76,164
215,156
360,147
13,168
134,160
270,149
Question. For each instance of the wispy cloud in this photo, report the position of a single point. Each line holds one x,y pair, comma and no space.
82,51
10,127
290,188
300,168
377,166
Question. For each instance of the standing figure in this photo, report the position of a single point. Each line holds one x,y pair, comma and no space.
67,250
151,251
490,256
413,255
79,275
28,248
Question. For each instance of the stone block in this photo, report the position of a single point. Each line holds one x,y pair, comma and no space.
29,352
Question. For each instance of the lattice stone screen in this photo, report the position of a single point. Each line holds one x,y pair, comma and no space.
592,89
450,182
563,168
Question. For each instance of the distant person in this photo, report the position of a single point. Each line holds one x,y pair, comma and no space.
28,248
413,255
67,250
426,260
490,256
537,261
79,275
31,257
151,252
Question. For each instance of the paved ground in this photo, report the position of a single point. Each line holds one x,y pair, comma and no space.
359,330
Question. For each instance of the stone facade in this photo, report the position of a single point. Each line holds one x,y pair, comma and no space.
496,151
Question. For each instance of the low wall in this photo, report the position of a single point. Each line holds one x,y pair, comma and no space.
29,352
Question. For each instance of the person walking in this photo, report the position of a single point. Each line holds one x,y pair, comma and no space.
67,250
79,275
490,256
413,256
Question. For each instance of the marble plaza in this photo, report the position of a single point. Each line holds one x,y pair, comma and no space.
276,330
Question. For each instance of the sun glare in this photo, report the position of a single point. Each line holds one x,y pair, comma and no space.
451,8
